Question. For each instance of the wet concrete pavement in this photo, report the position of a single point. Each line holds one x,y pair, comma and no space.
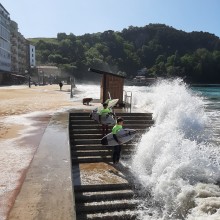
47,190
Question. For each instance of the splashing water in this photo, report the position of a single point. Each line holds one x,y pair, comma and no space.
174,161
86,91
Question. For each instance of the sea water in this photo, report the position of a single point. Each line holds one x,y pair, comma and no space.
177,161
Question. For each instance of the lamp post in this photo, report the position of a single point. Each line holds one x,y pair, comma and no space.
43,79
40,76
31,73
71,89
29,78
50,79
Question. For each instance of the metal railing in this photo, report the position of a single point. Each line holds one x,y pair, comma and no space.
128,100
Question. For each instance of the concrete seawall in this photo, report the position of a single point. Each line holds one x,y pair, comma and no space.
47,190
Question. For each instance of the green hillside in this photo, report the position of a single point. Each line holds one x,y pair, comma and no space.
158,49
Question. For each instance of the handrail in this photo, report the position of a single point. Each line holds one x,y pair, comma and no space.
128,99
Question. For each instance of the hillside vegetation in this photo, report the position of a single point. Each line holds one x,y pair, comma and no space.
158,49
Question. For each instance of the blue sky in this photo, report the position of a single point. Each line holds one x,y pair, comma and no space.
46,18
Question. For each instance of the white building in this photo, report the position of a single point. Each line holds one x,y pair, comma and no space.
16,53
32,55
5,47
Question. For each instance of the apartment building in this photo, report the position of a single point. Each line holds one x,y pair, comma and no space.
19,51
5,47
17,56
14,47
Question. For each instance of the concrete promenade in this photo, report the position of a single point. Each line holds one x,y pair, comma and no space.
47,190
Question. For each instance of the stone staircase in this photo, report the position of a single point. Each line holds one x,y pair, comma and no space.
103,201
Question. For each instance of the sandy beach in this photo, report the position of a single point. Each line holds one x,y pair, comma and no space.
24,115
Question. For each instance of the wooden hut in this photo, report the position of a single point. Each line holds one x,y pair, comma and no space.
111,83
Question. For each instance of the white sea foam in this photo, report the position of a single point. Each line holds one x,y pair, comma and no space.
86,91
174,160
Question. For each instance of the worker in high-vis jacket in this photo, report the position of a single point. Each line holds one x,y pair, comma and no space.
103,112
117,148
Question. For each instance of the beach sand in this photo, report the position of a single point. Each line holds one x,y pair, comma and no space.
24,115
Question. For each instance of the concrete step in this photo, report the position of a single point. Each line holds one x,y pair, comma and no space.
91,153
87,147
97,126
96,131
128,117
97,153
118,215
98,159
88,136
98,147
91,122
91,148
106,196
107,206
95,136
85,141
106,201
92,160
121,114
93,141
102,187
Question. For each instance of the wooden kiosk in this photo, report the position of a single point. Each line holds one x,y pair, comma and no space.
111,83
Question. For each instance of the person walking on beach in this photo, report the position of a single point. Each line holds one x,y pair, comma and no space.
61,85
117,148
102,113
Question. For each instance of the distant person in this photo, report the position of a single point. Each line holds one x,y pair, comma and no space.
61,85
117,148
102,113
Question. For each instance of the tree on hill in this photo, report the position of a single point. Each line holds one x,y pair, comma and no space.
162,49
